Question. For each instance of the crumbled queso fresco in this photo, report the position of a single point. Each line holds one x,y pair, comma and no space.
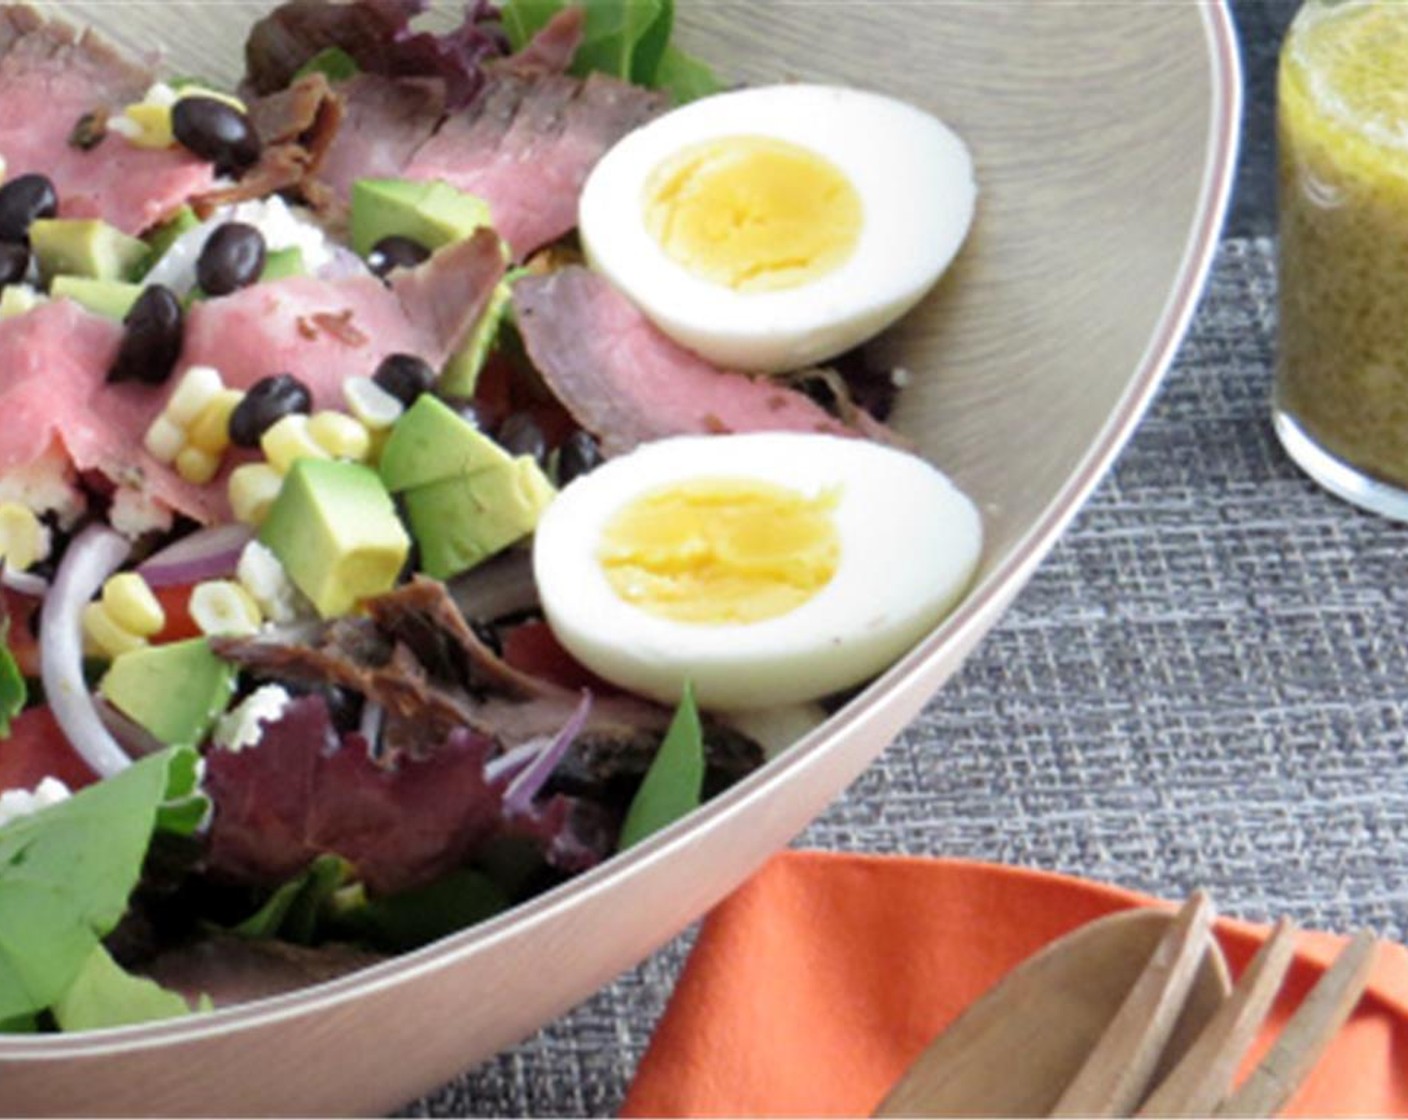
240,726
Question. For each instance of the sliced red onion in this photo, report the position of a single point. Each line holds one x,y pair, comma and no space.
496,588
212,553
511,762
24,583
369,726
91,557
518,798
342,262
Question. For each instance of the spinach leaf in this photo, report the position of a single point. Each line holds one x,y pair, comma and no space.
675,781
66,873
685,78
333,63
13,691
410,919
628,39
294,911
103,994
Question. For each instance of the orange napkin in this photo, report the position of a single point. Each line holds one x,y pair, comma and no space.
815,986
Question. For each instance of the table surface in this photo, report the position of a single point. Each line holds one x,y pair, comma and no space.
1217,639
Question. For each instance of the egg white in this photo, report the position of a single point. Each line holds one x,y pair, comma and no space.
913,175
910,541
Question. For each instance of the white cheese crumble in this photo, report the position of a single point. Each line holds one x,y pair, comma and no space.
240,727
283,227
46,484
261,574
17,803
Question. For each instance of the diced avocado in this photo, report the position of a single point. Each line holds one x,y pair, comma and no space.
460,521
175,690
335,531
283,262
461,372
333,63
162,238
110,298
16,299
85,247
434,213
430,443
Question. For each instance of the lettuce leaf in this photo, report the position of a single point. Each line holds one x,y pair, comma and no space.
13,691
103,994
294,911
628,39
674,783
66,873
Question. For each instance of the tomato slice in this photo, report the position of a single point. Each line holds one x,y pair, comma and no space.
531,648
37,749
20,610
176,603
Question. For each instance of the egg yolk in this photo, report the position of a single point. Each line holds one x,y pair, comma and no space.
721,550
753,213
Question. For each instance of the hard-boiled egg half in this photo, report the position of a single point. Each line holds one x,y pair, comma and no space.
766,568
771,228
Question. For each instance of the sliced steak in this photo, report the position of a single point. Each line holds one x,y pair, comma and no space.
52,75
627,383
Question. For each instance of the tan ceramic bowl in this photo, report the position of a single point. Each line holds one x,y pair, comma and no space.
1105,136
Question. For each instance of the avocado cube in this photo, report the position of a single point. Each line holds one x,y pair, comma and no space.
112,299
433,213
461,372
460,521
175,691
85,247
280,263
335,531
164,236
430,442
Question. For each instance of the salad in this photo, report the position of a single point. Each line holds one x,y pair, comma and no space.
430,468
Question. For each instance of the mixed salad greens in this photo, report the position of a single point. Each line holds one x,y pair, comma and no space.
352,731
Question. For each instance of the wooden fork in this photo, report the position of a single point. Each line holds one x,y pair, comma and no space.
1123,1073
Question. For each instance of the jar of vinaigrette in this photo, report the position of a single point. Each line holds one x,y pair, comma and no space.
1341,389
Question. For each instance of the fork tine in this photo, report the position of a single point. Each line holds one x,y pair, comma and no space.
1270,1086
1204,1075
1118,1071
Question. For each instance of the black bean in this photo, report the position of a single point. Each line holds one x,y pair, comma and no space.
14,262
23,199
233,258
404,376
268,401
520,434
578,455
151,338
396,252
216,131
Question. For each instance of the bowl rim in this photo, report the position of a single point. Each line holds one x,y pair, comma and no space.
963,628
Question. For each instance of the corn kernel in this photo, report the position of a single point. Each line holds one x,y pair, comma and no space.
253,488
288,440
153,125
370,403
196,466
24,540
211,430
222,606
130,603
103,636
164,440
340,435
192,394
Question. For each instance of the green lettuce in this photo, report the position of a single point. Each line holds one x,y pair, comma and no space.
103,994
674,784
67,872
628,39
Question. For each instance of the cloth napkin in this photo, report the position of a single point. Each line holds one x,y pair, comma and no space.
812,989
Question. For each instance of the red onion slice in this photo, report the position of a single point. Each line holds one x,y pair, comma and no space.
212,553
24,583
92,556
518,798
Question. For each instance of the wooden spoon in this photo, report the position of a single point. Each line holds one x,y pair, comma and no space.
1016,1050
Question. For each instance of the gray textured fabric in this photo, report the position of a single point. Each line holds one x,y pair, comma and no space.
1204,684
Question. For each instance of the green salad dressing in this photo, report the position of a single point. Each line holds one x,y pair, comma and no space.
1342,373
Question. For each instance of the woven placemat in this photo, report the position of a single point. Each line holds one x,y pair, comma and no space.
1204,684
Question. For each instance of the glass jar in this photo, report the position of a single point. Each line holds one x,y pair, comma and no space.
1341,390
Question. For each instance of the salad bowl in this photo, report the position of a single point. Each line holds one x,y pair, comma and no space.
1104,138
